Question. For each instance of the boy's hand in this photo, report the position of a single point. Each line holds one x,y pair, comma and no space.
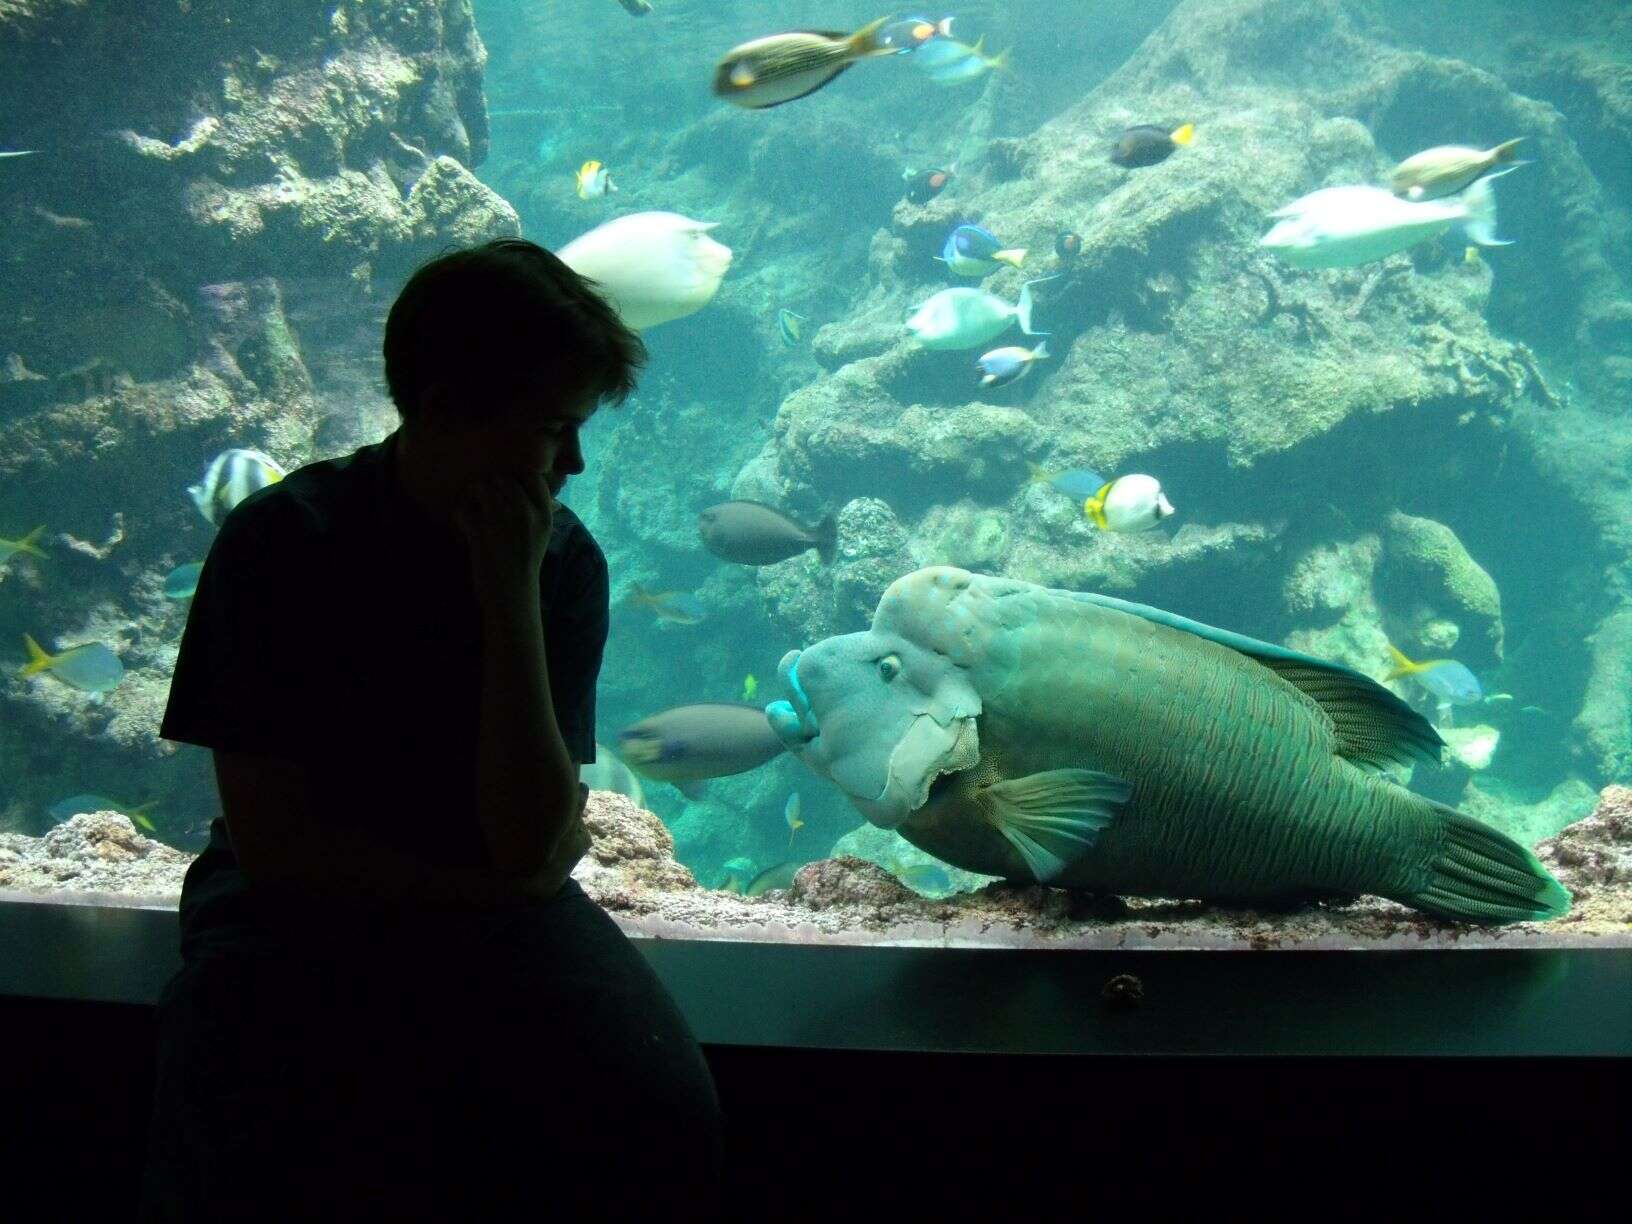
572,847
506,521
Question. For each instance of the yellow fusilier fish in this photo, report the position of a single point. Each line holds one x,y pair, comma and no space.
91,668
594,181
10,548
770,71
1447,169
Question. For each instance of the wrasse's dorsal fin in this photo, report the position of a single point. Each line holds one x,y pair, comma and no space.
1373,728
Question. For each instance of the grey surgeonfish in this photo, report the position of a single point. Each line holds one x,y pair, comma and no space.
752,533
691,743
771,71
1090,743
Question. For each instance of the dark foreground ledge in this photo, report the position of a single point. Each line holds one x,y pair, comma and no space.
1537,1002
977,1084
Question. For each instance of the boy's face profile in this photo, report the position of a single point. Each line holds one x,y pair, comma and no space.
534,432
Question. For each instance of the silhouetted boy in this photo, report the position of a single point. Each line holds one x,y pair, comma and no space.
395,1001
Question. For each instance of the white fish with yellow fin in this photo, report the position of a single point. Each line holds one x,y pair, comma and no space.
594,181
1129,503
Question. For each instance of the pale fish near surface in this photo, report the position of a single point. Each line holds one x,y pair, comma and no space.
1343,227
654,267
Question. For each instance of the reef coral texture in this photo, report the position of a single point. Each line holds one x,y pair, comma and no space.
630,870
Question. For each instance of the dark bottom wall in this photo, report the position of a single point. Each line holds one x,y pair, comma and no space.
847,1133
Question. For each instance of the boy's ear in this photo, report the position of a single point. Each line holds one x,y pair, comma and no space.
436,407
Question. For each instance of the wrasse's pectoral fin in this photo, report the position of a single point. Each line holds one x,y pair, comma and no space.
1053,818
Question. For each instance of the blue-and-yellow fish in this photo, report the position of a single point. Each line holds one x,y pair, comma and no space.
91,668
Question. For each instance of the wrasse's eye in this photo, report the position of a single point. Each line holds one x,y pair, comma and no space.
889,667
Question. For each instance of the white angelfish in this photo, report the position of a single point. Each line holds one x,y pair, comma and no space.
963,318
652,266
1343,227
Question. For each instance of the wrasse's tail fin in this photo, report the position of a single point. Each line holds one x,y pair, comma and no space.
1481,875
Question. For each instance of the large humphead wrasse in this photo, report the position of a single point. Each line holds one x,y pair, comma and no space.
1095,744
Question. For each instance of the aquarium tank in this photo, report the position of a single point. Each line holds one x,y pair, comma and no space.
1133,474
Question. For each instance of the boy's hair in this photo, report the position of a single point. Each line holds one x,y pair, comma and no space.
493,320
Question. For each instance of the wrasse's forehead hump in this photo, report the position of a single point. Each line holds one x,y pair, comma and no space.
943,609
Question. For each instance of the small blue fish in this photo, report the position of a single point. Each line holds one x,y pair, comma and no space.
958,62
910,33
972,251
91,668
925,878
791,327
1075,483
1446,679
182,582
1002,366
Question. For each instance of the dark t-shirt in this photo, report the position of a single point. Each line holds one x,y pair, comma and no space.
335,625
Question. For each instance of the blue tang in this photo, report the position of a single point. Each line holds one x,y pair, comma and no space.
972,251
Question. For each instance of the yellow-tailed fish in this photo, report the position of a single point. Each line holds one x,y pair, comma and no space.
91,668
10,548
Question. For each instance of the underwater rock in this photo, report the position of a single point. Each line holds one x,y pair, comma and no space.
1428,575
1605,719
1593,859
450,204
99,856
1471,747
